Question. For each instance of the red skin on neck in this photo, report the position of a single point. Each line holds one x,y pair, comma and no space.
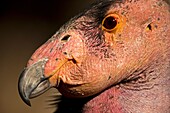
106,102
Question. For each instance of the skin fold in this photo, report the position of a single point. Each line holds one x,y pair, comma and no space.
120,70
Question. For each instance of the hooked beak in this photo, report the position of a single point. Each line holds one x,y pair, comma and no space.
32,81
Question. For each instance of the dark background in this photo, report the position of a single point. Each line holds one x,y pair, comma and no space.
24,26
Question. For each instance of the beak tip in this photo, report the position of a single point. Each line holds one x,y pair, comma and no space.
27,101
24,98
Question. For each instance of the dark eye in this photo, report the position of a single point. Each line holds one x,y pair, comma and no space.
110,22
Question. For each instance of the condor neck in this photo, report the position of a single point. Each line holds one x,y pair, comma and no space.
148,94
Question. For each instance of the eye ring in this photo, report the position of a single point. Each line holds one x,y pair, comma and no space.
110,22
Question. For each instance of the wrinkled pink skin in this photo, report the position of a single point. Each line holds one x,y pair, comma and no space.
149,94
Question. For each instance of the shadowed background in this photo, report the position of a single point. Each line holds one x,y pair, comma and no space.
24,26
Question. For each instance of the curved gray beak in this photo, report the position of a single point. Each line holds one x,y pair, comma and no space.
32,82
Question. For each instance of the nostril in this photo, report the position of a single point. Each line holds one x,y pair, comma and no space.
65,38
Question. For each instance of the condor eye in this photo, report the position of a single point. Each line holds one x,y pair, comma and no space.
110,22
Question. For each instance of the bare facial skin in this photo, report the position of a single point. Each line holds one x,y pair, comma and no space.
117,52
